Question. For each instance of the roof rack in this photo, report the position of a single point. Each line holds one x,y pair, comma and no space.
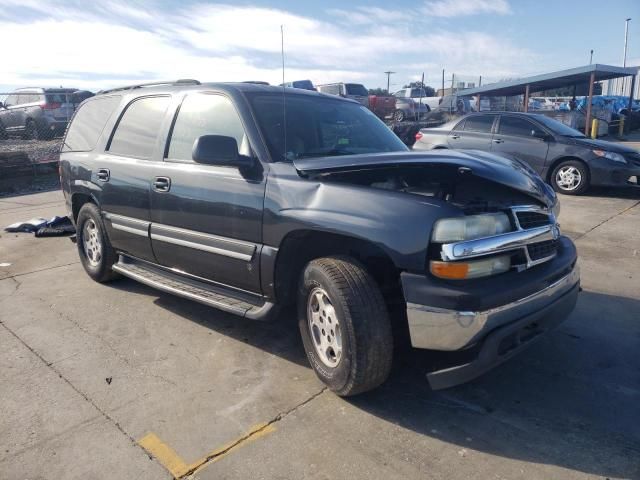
182,81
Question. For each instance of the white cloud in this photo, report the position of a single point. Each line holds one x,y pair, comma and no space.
114,43
454,8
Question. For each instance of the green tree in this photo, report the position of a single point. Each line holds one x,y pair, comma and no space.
428,91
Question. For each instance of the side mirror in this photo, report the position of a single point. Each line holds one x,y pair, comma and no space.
540,134
219,150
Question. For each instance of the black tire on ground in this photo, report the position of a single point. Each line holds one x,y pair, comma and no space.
3,132
98,256
398,116
577,170
31,131
364,328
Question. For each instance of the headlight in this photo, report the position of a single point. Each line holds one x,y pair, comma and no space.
472,269
616,157
471,227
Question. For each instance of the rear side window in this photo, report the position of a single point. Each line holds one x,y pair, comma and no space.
479,123
137,130
205,114
356,89
88,123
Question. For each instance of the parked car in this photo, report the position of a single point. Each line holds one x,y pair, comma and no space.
212,192
409,109
564,157
36,113
304,84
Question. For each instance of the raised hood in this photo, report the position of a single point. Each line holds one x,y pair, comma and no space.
505,171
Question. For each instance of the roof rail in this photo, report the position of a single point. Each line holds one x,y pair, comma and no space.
182,81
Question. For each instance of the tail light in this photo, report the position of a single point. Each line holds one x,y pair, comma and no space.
418,136
51,106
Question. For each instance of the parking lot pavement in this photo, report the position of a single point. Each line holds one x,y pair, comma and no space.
121,381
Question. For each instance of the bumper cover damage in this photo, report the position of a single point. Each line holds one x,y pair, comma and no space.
495,334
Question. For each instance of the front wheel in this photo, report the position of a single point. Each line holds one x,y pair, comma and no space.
344,325
570,177
398,116
96,253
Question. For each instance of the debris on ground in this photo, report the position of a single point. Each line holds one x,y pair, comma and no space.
55,227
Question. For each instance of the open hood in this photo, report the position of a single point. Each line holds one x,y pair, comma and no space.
505,171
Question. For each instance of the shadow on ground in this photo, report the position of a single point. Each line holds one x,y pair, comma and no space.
571,400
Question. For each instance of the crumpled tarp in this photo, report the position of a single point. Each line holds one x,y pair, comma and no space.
54,227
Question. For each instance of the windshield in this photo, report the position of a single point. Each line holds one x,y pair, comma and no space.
558,128
320,127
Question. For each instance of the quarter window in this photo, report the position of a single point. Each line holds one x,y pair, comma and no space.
517,126
137,131
205,114
88,123
479,124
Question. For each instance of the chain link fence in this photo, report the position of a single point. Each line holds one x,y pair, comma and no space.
32,124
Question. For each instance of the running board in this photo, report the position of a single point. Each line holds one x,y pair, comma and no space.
238,303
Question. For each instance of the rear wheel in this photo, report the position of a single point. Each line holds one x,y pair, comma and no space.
31,130
570,177
96,253
344,325
398,116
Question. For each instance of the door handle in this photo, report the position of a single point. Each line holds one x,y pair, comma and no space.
162,184
103,174
498,140
455,137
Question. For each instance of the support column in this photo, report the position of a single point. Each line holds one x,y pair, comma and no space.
526,99
587,125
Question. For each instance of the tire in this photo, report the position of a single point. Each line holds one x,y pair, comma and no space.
339,294
96,253
3,132
398,116
570,177
31,131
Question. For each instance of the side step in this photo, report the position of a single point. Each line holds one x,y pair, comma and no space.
238,303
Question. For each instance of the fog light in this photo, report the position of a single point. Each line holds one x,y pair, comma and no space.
468,270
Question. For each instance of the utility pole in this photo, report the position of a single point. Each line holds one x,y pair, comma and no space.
442,82
626,38
591,57
624,57
388,74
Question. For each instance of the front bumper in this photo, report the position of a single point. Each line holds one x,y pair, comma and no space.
486,334
509,340
616,175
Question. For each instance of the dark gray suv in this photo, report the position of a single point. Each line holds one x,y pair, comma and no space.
39,113
212,193
564,157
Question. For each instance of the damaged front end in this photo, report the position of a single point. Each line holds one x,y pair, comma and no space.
496,273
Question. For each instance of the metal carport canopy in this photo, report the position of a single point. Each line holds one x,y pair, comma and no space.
548,81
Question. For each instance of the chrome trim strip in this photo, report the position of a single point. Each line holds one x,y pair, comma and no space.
442,329
499,243
202,241
128,224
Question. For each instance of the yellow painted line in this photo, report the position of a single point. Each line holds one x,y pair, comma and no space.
165,455
178,467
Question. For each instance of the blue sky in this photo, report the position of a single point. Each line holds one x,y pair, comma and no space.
115,42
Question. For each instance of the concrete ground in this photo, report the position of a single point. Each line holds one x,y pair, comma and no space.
121,381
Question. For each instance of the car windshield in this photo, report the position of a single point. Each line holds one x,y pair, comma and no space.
558,128
320,127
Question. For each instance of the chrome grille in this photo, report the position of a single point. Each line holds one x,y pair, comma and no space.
528,219
541,250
